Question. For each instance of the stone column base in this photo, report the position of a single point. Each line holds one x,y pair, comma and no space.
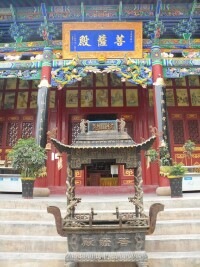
163,191
41,192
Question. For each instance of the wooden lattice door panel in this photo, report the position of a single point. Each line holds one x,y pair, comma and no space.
12,133
1,133
193,131
74,127
126,176
129,128
186,127
178,132
79,175
75,130
12,128
27,129
1,139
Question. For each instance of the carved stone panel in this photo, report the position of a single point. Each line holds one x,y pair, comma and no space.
106,242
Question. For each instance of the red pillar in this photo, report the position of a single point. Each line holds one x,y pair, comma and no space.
157,71
47,63
46,72
59,121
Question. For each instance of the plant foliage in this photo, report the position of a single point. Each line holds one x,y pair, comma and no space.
165,159
152,155
177,170
189,147
28,158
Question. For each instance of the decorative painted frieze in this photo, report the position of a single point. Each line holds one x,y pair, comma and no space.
22,74
57,45
20,65
128,71
180,72
181,62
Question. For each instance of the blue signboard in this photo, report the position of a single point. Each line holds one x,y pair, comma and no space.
14,179
188,178
102,40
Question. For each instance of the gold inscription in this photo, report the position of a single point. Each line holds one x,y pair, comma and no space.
77,173
178,149
128,172
88,242
103,126
28,118
123,242
13,118
127,181
191,116
176,116
105,242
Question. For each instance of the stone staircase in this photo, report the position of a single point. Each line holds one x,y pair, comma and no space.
28,235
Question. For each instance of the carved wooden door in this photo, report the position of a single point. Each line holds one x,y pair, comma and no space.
185,127
12,128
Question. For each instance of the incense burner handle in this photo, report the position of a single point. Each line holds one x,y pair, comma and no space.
58,219
153,211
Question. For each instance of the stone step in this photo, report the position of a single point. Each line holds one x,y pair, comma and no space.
42,215
26,215
33,244
58,244
156,259
35,228
167,227
174,259
191,201
180,213
177,227
98,203
19,259
165,243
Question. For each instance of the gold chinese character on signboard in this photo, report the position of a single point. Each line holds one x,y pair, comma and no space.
105,242
119,40
84,41
77,35
102,40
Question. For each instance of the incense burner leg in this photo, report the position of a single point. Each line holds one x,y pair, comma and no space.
71,264
142,260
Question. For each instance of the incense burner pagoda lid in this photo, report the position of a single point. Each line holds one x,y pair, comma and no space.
103,134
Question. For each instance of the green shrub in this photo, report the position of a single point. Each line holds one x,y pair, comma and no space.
28,158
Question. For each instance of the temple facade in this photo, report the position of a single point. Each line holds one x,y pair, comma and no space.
138,64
